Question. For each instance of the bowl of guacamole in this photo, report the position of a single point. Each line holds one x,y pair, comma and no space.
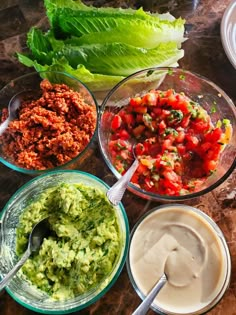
83,254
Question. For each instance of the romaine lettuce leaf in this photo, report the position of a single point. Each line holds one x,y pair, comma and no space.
108,25
145,34
110,59
53,5
119,58
96,82
43,45
39,45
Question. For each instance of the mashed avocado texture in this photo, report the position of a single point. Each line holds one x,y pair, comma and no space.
84,243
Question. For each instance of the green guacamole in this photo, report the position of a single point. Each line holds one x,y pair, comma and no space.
84,243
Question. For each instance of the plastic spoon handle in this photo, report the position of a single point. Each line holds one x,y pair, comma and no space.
14,270
116,192
144,306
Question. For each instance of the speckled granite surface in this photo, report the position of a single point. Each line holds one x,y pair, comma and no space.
203,54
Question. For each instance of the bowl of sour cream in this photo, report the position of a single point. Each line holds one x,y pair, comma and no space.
190,248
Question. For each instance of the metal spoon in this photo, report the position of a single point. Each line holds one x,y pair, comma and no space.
180,268
144,306
39,231
116,192
13,106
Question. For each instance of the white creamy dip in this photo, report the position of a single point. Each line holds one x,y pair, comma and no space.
186,247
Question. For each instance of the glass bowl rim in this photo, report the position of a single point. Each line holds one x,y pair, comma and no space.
150,195
122,260
39,172
214,227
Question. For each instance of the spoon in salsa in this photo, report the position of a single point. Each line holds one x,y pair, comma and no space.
38,233
116,192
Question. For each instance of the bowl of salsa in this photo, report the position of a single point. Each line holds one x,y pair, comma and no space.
182,125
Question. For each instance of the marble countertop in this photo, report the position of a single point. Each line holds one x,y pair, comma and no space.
205,55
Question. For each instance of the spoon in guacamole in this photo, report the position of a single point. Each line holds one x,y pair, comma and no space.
39,231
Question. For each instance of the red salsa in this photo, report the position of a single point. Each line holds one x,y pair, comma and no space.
178,147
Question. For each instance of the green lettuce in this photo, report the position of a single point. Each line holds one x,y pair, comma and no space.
108,25
119,58
96,82
101,46
53,5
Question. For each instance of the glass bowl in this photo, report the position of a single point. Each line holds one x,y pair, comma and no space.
200,90
21,290
43,136
190,248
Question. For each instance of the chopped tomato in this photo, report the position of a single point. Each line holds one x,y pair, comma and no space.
185,121
116,122
135,101
191,142
137,131
135,178
213,135
149,99
148,183
181,149
142,169
171,176
180,137
162,126
157,111
167,145
129,119
210,165
140,109
139,149
201,125
124,134
139,118
154,149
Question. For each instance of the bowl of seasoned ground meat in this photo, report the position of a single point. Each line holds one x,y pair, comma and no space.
55,122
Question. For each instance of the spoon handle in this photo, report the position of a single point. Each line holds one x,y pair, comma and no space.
144,306
14,270
3,126
116,192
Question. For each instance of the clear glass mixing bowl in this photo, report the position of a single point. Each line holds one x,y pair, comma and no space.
21,290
